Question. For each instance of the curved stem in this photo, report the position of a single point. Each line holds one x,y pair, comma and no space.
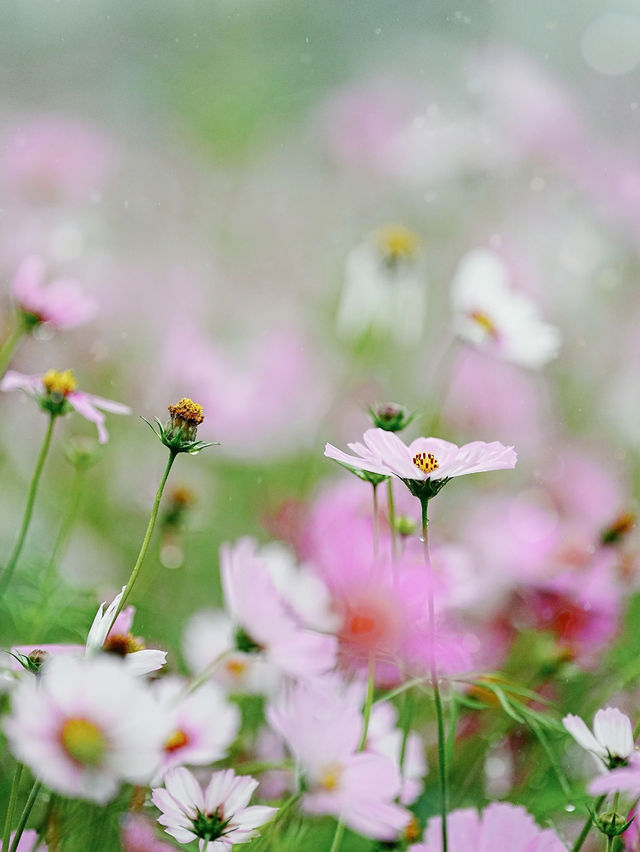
434,676
586,828
147,536
13,801
33,795
9,346
28,511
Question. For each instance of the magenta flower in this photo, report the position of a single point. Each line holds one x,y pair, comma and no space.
58,390
265,623
499,826
61,303
217,817
322,726
424,459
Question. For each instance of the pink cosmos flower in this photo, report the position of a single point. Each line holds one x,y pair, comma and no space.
139,835
266,623
499,826
625,779
322,726
28,842
611,741
218,817
383,737
47,386
86,725
425,458
202,724
61,303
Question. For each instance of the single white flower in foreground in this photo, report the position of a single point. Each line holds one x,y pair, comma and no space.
217,817
56,393
490,315
384,287
425,459
86,725
611,742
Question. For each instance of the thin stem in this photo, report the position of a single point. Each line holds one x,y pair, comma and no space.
376,520
407,718
9,346
33,795
28,510
205,674
586,828
434,676
392,519
147,535
337,837
366,711
13,801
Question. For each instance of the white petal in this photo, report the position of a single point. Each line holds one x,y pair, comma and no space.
583,736
613,730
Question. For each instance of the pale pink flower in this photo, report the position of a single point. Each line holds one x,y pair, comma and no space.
626,779
611,741
86,725
139,835
86,404
28,842
489,314
425,458
384,737
218,817
260,612
61,303
631,837
322,726
499,826
202,724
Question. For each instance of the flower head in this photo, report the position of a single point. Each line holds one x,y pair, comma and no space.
390,416
61,304
490,315
179,434
55,392
218,817
611,742
86,725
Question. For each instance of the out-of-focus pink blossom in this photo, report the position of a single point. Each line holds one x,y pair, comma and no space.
139,835
61,303
28,842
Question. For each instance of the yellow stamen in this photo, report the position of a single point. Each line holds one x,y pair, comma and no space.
176,741
236,668
123,644
330,777
187,410
412,831
83,741
60,382
426,462
485,321
397,242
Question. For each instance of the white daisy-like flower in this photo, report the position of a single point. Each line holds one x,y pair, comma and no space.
384,287
490,315
610,743
217,817
86,725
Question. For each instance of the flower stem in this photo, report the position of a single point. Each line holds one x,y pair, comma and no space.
33,795
407,718
28,511
9,346
366,711
392,519
376,529
586,828
337,837
434,675
147,535
13,801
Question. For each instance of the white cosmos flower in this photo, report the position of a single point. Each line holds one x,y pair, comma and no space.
217,817
611,742
85,725
488,314
384,287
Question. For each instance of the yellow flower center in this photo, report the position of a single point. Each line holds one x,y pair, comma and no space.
187,410
176,741
123,644
236,668
83,741
397,242
330,777
485,322
59,382
426,462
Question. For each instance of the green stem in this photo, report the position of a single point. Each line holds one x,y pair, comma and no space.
46,590
366,711
453,723
337,837
33,795
407,718
376,530
8,347
13,801
434,677
147,535
392,519
251,767
28,511
586,828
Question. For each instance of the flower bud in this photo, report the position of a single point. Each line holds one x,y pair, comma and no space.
612,824
390,416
